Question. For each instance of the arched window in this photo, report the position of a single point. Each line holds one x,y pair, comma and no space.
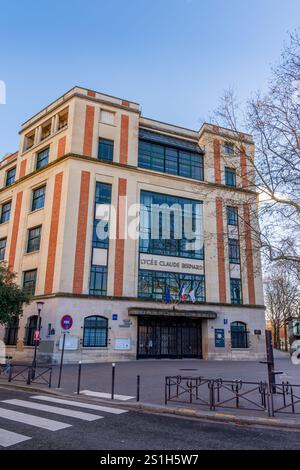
239,335
95,332
11,333
32,325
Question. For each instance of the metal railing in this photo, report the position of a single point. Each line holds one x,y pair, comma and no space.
217,393
41,375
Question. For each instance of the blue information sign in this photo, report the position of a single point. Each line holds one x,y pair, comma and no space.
219,338
115,316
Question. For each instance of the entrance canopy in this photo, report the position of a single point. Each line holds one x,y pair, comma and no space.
161,312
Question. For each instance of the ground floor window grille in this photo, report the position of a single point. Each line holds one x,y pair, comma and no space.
95,332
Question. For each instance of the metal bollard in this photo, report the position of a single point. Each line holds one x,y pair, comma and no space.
79,378
137,388
113,372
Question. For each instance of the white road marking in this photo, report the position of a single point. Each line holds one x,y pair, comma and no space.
54,409
32,420
9,438
105,409
105,395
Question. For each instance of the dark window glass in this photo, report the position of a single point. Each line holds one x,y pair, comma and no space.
103,196
5,212
98,280
228,148
29,281
153,285
106,150
232,215
2,248
38,198
235,291
11,333
32,325
42,158
230,177
11,176
95,332
175,244
234,251
239,335
170,160
34,239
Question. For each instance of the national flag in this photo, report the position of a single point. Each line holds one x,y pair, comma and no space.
192,295
183,294
168,295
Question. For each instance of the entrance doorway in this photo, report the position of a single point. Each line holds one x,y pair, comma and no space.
169,337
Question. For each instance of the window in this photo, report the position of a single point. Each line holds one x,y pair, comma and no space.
232,215
103,196
10,176
230,177
239,335
46,130
32,325
34,239
171,160
186,211
11,333
228,148
234,251
42,158
106,117
2,248
235,291
98,280
29,140
29,281
95,332
106,150
153,285
38,198
63,119
5,212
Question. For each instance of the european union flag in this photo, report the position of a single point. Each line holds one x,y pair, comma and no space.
168,295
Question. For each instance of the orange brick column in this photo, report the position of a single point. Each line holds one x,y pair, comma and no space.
88,130
22,168
81,233
61,149
120,242
243,163
15,231
53,233
220,250
249,254
217,160
124,139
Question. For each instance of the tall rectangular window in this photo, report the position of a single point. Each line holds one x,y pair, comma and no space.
228,148
10,176
236,291
42,158
34,239
234,251
98,280
170,155
2,248
232,215
230,177
29,281
106,150
5,212
38,198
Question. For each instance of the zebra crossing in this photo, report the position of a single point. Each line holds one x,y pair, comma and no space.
22,412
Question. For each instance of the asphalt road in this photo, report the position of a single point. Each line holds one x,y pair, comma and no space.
126,431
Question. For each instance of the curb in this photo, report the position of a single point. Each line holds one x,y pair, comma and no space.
214,416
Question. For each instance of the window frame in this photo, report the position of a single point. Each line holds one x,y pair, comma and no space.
230,171
241,338
31,291
89,343
233,298
235,218
31,240
109,144
7,183
38,164
234,254
3,248
33,199
3,221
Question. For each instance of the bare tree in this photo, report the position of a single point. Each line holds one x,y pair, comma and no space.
273,119
282,298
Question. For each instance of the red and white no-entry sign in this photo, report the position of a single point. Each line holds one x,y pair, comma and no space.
37,335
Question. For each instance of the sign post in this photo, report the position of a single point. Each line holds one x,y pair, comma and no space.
66,324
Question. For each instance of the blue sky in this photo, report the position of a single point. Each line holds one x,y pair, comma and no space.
174,57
